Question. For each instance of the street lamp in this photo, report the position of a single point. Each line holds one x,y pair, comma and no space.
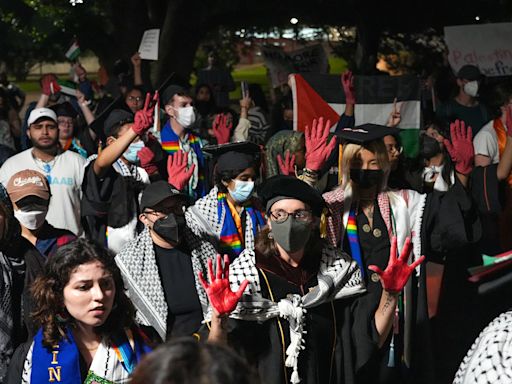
294,20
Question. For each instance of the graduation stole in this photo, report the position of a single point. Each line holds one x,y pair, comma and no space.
171,144
125,354
353,240
61,363
501,133
230,241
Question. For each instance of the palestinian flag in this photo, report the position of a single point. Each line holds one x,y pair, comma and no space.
316,95
66,87
73,52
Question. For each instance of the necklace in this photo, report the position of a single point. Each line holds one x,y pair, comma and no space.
45,166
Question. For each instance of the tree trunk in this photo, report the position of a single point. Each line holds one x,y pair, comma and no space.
179,39
368,34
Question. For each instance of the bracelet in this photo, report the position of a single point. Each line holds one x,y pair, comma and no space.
310,172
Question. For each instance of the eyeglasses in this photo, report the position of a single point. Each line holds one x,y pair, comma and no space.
393,148
280,216
65,122
134,98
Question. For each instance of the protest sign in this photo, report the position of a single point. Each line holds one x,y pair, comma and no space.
281,64
487,46
148,48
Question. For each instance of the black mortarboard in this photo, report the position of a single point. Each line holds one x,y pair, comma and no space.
65,109
234,156
282,187
117,117
170,91
98,125
366,133
157,192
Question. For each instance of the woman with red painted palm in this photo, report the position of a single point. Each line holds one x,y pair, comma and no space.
301,319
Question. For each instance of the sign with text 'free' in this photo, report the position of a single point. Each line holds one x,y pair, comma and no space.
487,46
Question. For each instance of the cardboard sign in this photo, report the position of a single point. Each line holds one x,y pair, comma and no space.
487,46
148,48
281,64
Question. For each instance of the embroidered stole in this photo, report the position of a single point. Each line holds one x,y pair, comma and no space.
230,240
61,363
501,133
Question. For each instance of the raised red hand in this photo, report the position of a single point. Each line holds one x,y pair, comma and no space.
221,128
222,298
147,157
179,175
347,81
317,149
144,118
49,84
396,274
461,147
286,166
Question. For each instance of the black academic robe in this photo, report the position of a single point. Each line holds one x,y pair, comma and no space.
340,334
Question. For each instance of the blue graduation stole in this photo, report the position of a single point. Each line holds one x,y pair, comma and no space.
60,364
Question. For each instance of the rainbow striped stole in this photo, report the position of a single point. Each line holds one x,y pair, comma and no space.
353,240
229,239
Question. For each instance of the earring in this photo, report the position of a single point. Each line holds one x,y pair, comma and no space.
270,235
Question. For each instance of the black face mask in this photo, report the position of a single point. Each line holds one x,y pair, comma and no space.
429,147
170,228
366,178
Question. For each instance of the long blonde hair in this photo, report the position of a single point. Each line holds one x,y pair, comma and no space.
352,151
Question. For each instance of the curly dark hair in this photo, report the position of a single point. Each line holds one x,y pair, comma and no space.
47,291
187,361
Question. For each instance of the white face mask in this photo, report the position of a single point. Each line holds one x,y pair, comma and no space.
471,88
31,220
186,116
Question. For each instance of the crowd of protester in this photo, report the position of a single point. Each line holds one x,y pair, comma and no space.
242,251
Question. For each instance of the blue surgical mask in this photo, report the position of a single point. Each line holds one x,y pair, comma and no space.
131,152
242,191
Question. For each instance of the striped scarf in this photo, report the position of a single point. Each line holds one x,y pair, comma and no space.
171,144
353,240
230,242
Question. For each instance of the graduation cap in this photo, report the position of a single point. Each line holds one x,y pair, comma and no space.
363,134
65,109
98,124
288,187
234,156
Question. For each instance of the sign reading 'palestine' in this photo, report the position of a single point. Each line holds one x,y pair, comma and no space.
317,95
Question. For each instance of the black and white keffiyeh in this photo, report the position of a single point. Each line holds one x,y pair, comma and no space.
489,361
205,226
137,262
338,277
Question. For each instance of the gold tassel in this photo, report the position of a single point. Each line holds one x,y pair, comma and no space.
323,223
340,158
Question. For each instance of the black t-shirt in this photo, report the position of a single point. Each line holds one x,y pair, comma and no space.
177,276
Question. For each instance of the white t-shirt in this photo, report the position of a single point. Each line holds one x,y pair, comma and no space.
65,176
486,142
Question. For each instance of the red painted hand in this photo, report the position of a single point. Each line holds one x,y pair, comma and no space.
394,278
317,149
287,167
144,117
461,147
147,157
179,176
222,298
347,81
222,128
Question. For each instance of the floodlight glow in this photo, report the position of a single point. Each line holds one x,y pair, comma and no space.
294,20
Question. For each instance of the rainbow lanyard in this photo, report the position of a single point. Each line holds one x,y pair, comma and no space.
353,240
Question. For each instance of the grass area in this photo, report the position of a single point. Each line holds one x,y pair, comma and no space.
256,73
